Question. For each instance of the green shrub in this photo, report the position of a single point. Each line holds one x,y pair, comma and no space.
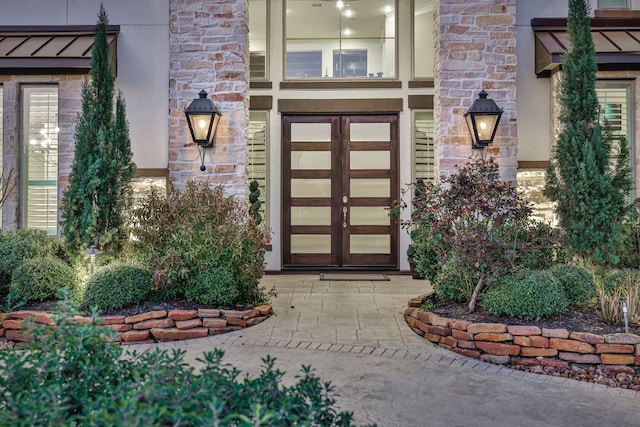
454,283
40,279
480,220
198,230
70,376
527,295
577,282
214,286
619,278
117,285
426,258
17,247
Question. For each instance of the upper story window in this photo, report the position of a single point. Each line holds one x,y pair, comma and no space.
613,4
258,40
423,47
340,39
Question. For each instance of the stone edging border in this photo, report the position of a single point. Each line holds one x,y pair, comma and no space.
149,327
523,345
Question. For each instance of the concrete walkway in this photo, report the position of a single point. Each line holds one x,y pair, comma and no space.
353,334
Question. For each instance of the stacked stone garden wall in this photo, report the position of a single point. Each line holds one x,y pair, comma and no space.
152,326
524,345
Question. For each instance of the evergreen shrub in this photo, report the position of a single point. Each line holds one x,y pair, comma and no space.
454,283
527,295
590,190
40,279
99,193
69,375
215,286
117,285
17,247
199,229
577,282
619,278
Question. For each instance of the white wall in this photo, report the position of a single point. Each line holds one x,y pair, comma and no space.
143,60
534,94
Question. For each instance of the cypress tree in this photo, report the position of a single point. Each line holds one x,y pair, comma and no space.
93,205
590,192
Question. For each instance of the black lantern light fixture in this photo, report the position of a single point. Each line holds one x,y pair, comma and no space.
203,118
483,118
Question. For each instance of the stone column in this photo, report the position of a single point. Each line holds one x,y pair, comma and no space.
208,42
475,49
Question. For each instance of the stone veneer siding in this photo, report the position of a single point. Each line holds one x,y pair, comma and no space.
69,105
475,49
531,183
523,345
208,44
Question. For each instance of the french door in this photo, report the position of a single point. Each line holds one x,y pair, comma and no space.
340,174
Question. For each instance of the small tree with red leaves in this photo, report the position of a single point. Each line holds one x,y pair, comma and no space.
479,221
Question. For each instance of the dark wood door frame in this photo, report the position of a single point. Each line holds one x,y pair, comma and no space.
340,175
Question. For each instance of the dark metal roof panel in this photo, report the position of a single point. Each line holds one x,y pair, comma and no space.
38,48
617,46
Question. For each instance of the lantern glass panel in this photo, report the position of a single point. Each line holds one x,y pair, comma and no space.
485,126
200,124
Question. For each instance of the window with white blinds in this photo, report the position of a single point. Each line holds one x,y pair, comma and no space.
40,158
1,152
257,155
615,107
423,145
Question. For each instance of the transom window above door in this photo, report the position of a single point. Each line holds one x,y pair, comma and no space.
340,39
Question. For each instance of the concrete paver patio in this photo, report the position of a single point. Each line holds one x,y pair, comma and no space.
353,334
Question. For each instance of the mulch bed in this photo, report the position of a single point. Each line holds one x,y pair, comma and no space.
575,319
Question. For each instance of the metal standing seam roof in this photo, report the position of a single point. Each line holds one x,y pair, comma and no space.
616,41
33,48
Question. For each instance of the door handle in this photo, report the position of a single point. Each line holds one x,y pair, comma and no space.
344,216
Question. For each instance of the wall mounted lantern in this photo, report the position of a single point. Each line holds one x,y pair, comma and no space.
483,118
203,118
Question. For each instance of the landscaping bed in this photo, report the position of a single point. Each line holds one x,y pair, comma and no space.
558,346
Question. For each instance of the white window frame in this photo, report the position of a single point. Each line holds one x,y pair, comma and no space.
630,120
328,71
625,6
34,143
264,187
415,144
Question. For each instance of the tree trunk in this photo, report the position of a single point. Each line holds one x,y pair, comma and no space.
474,297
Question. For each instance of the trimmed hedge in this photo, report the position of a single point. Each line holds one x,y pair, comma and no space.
17,247
577,282
41,279
527,295
117,285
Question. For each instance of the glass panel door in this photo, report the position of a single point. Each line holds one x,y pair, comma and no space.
340,175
